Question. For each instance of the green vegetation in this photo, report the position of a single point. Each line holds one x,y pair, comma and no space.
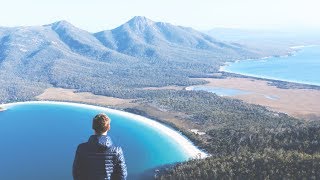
269,164
245,141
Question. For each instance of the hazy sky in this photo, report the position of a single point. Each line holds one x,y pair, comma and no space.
96,15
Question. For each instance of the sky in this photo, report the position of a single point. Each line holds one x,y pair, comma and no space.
97,15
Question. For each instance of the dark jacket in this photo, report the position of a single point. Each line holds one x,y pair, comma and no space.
99,159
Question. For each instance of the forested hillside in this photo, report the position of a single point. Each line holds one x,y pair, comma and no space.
245,141
139,53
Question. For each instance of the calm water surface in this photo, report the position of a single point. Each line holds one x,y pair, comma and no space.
38,141
302,67
219,90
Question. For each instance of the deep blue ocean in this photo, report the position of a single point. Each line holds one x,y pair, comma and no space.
302,67
38,141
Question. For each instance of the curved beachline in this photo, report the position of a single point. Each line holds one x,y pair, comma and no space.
222,69
186,145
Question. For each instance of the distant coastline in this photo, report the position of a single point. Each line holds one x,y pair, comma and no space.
271,78
294,50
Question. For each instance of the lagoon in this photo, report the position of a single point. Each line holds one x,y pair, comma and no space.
39,139
303,66
218,90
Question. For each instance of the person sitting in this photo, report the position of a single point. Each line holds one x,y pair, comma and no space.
98,158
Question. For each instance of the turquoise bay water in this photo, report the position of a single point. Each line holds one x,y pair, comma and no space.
302,67
38,141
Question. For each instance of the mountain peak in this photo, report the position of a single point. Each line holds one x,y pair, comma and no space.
62,23
140,18
140,21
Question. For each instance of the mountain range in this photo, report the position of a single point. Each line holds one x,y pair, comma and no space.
139,53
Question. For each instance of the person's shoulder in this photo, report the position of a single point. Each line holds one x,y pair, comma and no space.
117,149
82,146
